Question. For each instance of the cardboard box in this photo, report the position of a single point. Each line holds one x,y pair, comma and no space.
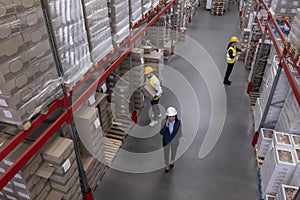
282,140
11,48
31,17
149,92
287,192
57,178
9,25
58,151
63,169
54,195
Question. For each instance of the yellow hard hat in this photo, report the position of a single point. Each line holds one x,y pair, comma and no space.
148,70
234,39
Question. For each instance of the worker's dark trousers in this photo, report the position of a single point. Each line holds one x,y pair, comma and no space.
155,109
167,148
228,71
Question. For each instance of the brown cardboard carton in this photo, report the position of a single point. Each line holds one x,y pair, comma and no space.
149,92
72,184
67,176
33,193
10,68
11,47
9,25
54,195
34,35
58,151
7,7
63,169
30,17
40,50
45,192
45,170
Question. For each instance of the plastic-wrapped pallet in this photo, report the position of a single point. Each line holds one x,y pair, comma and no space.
119,20
28,76
135,10
98,28
155,3
287,192
278,168
70,37
147,5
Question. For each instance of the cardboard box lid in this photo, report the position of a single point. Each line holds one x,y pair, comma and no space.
57,147
54,195
45,171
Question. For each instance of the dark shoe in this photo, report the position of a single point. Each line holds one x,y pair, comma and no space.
227,82
172,164
167,169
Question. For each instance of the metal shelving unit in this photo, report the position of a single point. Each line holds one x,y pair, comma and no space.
283,55
69,108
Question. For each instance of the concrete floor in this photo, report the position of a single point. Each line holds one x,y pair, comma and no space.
228,171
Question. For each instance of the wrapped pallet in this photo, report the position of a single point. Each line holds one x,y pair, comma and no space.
28,76
70,37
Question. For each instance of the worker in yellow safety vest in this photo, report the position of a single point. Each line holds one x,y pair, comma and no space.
232,56
155,84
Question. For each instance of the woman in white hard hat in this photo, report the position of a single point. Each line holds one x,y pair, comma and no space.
171,132
155,84
232,57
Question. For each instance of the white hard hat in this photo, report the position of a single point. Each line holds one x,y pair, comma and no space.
171,111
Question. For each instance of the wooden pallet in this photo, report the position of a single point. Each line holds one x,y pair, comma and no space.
217,13
253,97
259,159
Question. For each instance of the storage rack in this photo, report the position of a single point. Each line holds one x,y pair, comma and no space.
285,64
122,51
283,54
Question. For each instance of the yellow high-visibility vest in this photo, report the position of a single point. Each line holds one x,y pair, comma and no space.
153,79
231,60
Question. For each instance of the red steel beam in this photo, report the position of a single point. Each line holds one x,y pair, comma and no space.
273,38
259,25
31,151
16,140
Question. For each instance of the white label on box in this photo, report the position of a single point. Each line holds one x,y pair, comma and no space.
18,176
295,3
10,197
103,87
20,185
66,165
3,103
283,2
1,144
23,195
2,170
7,114
97,123
92,100
1,193
1,92
8,162
8,189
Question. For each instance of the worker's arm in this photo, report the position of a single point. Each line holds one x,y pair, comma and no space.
158,89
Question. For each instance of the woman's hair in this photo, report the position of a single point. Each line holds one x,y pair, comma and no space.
175,117
229,45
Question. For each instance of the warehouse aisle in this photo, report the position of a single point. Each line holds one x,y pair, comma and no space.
228,172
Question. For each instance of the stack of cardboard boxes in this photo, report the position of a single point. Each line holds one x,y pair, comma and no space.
31,182
70,37
98,28
89,129
155,59
119,20
60,155
28,77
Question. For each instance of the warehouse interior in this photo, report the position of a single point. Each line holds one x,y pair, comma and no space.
76,120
